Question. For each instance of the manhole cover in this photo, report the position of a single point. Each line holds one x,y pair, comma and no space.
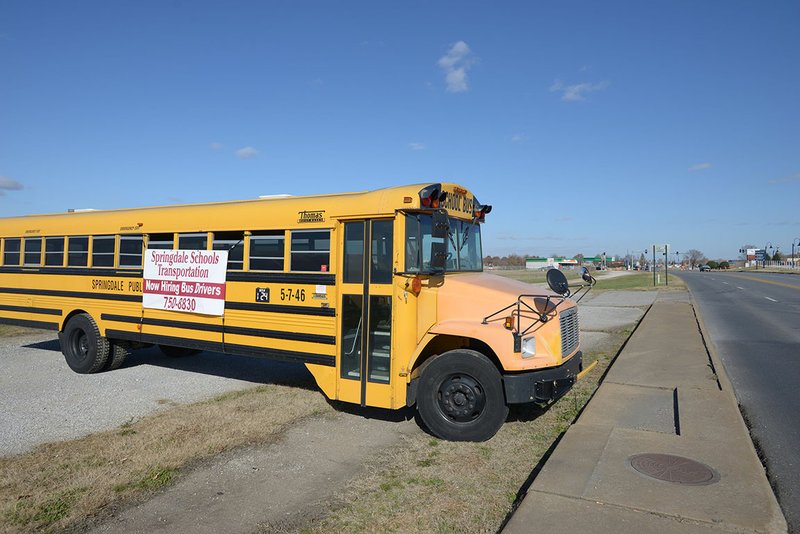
673,469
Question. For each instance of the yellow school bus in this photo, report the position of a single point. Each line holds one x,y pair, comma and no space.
381,294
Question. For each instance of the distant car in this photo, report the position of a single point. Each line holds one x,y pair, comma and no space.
704,268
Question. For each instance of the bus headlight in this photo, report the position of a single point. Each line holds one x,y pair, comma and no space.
529,347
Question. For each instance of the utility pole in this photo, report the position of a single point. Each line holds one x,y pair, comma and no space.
654,266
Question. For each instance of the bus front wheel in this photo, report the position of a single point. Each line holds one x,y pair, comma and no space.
460,396
85,350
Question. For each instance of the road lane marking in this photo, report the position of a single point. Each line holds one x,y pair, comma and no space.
726,283
773,300
738,287
752,279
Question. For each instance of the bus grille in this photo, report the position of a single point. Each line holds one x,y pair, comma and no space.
569,331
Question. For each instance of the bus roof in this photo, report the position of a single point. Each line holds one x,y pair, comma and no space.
278,211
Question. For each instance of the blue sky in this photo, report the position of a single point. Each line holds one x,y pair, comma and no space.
590,126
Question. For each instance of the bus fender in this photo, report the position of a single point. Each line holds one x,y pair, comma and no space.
466,331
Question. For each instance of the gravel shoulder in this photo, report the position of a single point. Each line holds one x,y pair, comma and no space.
42,400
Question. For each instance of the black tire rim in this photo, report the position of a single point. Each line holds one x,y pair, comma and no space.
460,398
79,343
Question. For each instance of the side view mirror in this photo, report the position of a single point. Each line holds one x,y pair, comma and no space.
558,282
440,224
588,278
439,229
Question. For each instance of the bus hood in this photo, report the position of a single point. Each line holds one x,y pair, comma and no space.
473,296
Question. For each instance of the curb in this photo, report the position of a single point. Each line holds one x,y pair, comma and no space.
726,386
523,490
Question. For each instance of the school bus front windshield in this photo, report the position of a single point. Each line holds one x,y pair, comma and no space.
463,244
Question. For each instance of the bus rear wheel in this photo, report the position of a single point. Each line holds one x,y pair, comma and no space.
85,350
118,353
460,396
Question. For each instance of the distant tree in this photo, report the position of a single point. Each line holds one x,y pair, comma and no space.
777,256
712,264
579,257
695,257
492,261
724,265
515,260
642,261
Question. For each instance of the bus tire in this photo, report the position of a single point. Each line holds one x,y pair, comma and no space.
119,353
177,352
85,350
460,396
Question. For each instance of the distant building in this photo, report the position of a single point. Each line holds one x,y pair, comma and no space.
543,263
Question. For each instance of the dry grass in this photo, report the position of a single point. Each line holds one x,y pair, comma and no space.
60,484
429,485
7,330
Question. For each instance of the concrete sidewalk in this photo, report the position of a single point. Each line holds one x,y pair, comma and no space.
660,397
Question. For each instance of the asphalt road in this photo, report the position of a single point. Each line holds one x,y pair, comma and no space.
753,320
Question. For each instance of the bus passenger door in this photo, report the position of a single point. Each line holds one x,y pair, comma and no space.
364,362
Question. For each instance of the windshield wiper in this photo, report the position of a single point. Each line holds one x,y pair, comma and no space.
466,234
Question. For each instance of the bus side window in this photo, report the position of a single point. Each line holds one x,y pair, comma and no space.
33,251
11,254
54,251
197,241
130,252
266,251
233,242
160,241
311,250
78,251
103,251
381,252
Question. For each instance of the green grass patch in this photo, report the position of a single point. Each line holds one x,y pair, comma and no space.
126,428
643,281
29,514
151,479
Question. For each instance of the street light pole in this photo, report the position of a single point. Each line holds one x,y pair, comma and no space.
654,266
765,252
794,261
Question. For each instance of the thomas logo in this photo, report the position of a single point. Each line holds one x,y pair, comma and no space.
311,216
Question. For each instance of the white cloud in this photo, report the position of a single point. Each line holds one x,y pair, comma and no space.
246,152
8,184
416,146
216,146
519,138
455,64
577,92
699,167
794,178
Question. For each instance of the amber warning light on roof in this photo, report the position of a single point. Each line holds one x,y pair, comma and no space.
432,196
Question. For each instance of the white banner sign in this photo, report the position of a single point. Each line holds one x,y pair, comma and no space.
185,280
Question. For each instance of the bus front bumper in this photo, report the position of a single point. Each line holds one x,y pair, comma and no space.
543,386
